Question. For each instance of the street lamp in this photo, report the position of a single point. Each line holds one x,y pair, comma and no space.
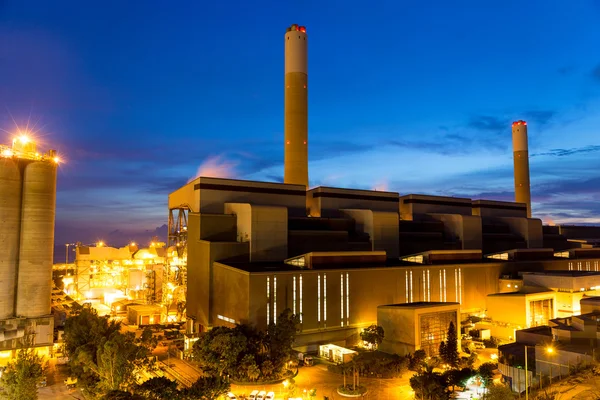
549,350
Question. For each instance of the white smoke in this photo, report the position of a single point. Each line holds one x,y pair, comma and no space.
216,167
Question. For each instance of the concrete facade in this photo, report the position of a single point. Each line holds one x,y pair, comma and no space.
410,327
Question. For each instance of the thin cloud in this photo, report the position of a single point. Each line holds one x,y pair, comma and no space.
569,152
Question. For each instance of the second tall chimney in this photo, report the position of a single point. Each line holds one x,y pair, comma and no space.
296,107
521,164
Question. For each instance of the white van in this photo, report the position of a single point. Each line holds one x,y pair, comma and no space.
261,395
270,396
253,395
231,396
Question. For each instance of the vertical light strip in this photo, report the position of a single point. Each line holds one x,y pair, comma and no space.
294,294
428,287
460,285
406,282
441,296
455,285
300,298
342,299
325,298
268,300
274,299
424,287
411,287
319,298
347,298
445,293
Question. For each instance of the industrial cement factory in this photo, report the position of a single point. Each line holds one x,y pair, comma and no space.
342,259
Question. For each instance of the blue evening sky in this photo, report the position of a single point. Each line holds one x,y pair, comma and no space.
408,96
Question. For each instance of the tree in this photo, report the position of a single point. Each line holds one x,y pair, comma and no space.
121,395
281,337
499,392
429,385
455,377
416,360
486,372
21,377
373,335
101,357
207,388
449,348
158,388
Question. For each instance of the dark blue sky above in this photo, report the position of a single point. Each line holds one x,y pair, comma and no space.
410,96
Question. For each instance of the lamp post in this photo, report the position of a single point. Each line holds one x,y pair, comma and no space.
549,350
67,254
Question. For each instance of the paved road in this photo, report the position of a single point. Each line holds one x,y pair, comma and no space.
56,389
327,383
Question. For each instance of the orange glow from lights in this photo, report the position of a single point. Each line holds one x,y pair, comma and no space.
302,29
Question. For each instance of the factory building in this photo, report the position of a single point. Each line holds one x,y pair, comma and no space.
335,256
27,209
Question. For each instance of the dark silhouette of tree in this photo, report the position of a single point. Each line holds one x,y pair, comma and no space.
449,348
486,372
159,388
206,388
373,335
429,385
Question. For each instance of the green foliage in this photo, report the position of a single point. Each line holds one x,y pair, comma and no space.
206,388
244,353
449,348
429,385
20,378
121,395
159,388
458,378
376,364
486,372
101,357
499,392
416,360
491,343
352,390
373,335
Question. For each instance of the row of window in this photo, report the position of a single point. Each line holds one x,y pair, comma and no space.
297,293
588,266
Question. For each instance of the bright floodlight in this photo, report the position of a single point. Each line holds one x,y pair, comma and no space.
550,350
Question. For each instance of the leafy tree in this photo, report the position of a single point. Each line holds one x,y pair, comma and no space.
220,350
499,392
449,348
456,377
373,335
101,357
429,385
281,337
207,388
121,395
21,377
159,388
486,372
417,359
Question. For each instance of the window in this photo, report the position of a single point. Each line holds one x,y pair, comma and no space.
444,287
347,298
274,299
428,287
570,266
268,300
300,298
319,298
231,320
325,298
294,294
411,286
460,285
424,287
341,299
441,293
406,284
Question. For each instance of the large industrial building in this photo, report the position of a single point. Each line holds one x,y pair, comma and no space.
27,208
335,255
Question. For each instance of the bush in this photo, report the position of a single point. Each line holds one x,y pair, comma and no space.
491,343
348,389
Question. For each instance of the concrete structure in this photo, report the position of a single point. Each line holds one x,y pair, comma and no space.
333,255
296,107
144,314
336,354
415,326
521,164
27,207
532,306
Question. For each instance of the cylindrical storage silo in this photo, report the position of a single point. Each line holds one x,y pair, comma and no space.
34,283
10,223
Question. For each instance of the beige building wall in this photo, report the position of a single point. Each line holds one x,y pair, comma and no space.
489,208
328,202
415,206
466,228
382,227
514,308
